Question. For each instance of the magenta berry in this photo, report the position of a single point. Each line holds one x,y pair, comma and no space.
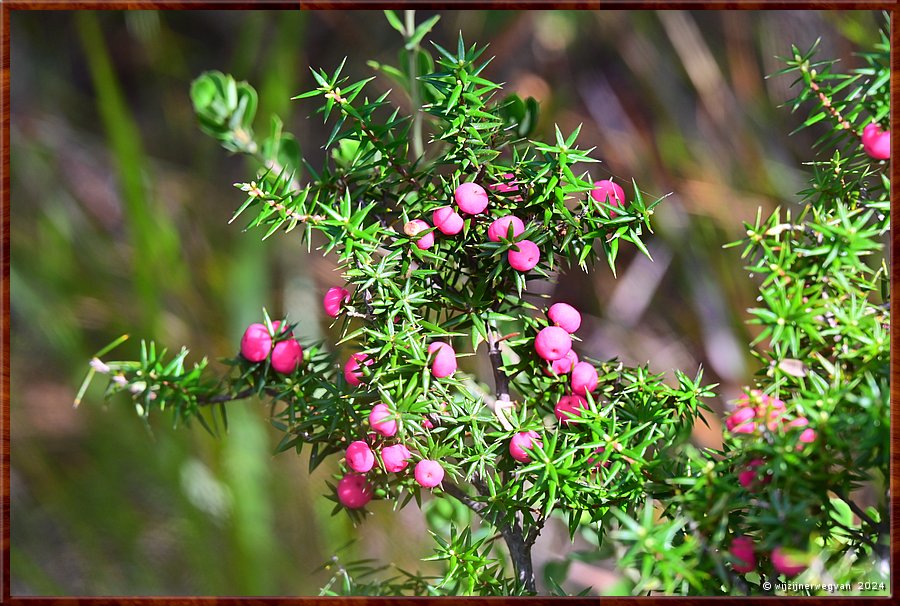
741,421
610,193
429,473
352,371
584,378
508,186
395,457
569,407
447,221
414,228
565,364
787,563
552,343
876,142
524,255
444,362
256,343
565,316
750,478
335,298
286,356
360,457
471,198
500,228
381,420
521,443
743,557
354,491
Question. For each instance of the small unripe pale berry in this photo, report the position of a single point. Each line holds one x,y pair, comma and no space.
444,362
352,371
876,142
354,491
610,193
565,316
414,228
335,298
256,343
429,473
360,457
381,420
584,378
471,198
286,356
743,558
521,443
552,343
395,457
500,228
565,364
524,255
786,563
569,407
447,221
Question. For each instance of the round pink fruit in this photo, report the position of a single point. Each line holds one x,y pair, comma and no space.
524,255
565,364
256,343
584,378
569,407
354,491
521,443
353,373
381,419
335,298
395,457
741,421
416,227
786,563
750,478
500,228
444,362
741,550
610,193
429,473
876,142
286,356
360,457
447,221
565,316
552,343
471,198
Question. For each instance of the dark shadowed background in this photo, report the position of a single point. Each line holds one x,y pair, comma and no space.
119,210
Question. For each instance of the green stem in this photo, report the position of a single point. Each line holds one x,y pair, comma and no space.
417,145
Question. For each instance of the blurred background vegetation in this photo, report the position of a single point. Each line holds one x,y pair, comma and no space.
119,225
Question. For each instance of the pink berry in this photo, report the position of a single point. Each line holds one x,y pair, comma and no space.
552,343
741,550
876,142
354,491
565,364
807,436
597,462
786,563
741,421
524,255
360,457
610,193
444,362
429,473
507,187
569,407
381,420
584,378
447,221
335,298
352,371
500,228
471,198
565,316
395,457
414,228
750,478
277,328
286,356
427,424
521,443
256,343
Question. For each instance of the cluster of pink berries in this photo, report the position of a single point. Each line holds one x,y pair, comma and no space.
743,552
876,142
257,345
354,490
